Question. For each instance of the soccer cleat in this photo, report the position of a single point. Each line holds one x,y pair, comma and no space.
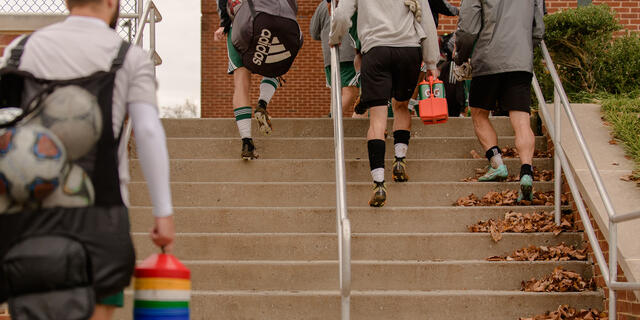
263,118
400,170
526,188
379,195
248,149
498,174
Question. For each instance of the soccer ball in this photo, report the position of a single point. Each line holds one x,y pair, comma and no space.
232,7
31,162
72,114
75,191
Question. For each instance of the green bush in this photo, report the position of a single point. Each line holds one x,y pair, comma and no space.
623,112
587,57
619,67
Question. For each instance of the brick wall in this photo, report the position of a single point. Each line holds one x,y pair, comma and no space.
305,94
5,38
627,305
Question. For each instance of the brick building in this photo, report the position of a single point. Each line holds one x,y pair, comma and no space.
305,94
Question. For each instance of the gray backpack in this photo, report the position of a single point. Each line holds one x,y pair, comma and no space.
267,35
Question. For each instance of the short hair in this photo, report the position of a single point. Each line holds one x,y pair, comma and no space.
74,3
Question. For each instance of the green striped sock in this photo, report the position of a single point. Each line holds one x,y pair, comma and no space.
268,88
243,120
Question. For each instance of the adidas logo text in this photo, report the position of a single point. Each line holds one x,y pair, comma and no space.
269,49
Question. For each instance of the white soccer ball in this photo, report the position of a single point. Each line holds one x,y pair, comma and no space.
31,162
75,191
73,114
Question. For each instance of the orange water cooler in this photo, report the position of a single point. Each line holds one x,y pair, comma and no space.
433,104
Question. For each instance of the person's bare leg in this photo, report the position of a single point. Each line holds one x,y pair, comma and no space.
242,111
401,137
484,129
349,97
401,115
376,149
103,312
241,82
525,139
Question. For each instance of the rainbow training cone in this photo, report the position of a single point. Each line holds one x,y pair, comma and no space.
162,289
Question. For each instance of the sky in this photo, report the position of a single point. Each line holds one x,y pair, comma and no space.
178,44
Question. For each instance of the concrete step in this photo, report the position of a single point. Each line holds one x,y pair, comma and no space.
372,275
227,128
284,170
323,220
378,305
318,194
365,246
323,148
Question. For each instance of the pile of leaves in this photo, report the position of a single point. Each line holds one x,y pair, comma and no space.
511,152
524,223
560,280
509,198
561,252
544,175
565,312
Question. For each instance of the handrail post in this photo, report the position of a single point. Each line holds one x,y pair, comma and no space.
140,17
152,33
557,167
343,224
613,267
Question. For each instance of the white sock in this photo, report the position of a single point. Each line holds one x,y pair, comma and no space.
496,161
268,88
243,120
401,150
378,174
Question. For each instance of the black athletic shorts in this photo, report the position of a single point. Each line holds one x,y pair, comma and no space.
509,91
389,72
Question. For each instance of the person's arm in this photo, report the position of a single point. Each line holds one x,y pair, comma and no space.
225,19
469,26
341,20
317,21
141,102
443,7
430,46
538,22
154,160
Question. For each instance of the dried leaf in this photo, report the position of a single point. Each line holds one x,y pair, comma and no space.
524,223
613,141
565,312
508,198
475,154
560,280
561,252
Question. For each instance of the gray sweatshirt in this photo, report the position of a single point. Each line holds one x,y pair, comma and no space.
319,29
388,23
501,34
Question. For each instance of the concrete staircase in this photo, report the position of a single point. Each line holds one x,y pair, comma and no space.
260,236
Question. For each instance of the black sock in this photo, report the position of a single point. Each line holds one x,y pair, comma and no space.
401,136
376,153
262,103
526,169
495,150
248,141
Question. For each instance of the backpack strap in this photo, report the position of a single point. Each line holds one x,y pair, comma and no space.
16,53
122,53
252,8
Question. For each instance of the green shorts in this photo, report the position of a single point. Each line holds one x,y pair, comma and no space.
348,75
116,300
235,59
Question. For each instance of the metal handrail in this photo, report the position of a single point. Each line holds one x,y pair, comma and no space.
561,163
149,15
342,218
